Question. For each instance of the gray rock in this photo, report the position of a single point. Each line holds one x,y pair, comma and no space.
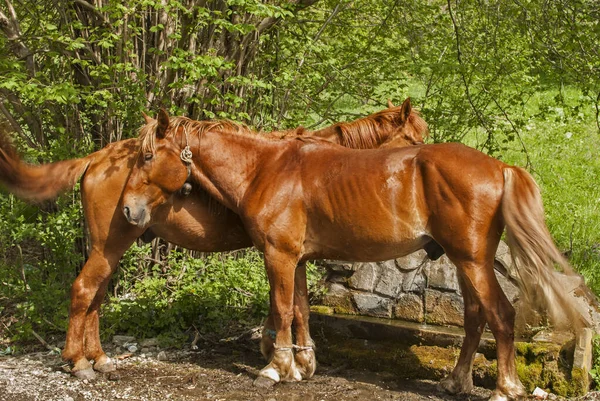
338,265
162,356
373,305
443,308
122,340
411,262
410,307
149,342
132,348
365,277
511,291
414,281
441,274
390,279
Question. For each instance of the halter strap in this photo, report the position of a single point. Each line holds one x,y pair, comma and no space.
186,157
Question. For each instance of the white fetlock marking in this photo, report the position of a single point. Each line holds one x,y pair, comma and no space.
300,348
296,376
271,373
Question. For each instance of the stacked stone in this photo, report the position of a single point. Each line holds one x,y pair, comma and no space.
411,288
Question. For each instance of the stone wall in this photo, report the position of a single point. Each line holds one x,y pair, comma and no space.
414,288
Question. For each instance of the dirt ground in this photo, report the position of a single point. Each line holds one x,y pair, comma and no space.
213,372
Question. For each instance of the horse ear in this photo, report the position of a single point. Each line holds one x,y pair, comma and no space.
163,124
390,104
147,118
405,109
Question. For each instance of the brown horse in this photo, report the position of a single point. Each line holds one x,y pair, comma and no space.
186,220
301,199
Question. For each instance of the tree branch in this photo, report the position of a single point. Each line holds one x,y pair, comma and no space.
10,28
90,7
462,73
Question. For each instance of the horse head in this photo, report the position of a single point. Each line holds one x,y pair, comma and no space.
161,169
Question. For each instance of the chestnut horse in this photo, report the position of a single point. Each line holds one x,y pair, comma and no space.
186,220
302,199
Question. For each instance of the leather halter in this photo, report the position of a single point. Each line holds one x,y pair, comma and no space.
186,158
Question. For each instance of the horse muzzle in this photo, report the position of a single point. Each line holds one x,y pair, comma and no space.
136,216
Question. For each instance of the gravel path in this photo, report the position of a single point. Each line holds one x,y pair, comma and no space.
218,372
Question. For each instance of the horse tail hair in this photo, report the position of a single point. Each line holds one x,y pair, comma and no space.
37,183
534,253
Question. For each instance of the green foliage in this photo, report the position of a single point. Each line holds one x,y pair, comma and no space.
595,372
39,257
561,143
213,294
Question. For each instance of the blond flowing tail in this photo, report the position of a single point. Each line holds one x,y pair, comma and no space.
534,252
37,183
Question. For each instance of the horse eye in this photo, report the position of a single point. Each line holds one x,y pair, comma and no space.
148,156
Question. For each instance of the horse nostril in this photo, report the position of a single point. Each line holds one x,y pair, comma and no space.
127,212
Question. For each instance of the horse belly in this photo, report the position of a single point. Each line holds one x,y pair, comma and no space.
376,241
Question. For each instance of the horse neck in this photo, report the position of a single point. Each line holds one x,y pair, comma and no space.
331,134
227,164
358,134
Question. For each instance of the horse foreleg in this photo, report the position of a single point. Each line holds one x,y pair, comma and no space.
280,271
305,356
461,378
481,281
93,346
83,292
306,361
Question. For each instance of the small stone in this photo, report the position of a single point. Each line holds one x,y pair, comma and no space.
122,340
162,356
68,398
132,348
149,342
114,376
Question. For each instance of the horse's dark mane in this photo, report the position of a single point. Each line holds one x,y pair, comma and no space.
365,133
371,131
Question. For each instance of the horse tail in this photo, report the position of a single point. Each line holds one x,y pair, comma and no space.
534,252
37,183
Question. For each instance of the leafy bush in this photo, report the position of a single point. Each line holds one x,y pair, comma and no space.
212,293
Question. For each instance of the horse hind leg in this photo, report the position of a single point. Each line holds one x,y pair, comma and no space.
481,282
460,381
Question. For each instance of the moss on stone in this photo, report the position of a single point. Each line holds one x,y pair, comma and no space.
538,364
530,373
580,382
326,310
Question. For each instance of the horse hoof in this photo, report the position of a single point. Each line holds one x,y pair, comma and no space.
450,385
306,364
106,367
85,374
497,396
264,382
